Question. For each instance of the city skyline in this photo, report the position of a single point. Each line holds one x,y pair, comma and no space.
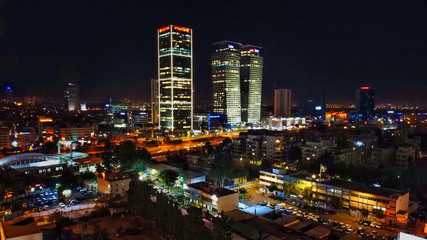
304,54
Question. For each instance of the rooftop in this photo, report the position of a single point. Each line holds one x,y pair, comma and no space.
18,228
211,189
343,183
117,176
385,192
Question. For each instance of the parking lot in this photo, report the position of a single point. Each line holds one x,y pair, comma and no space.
337,221
47,199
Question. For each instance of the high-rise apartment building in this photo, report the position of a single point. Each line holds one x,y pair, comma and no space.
175,76
72,97
282,102
154,101
365,102
225,63
251,63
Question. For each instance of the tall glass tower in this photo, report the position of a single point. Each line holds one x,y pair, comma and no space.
365,102
225,63
175,76
251,63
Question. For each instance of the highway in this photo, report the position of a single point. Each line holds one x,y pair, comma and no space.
159,152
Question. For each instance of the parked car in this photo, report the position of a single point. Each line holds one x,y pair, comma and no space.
45,207
88,193
367,223
61,205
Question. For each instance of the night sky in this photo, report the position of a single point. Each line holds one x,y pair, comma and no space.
330,46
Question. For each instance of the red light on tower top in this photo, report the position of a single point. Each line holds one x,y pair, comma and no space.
365,88
182,29
164,29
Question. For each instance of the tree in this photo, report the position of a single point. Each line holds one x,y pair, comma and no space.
126,154
364,212
243,191
294,154
169,176
273,187
55,216
307,193
378,213
61,223
288,188
140,166
337,202
222,229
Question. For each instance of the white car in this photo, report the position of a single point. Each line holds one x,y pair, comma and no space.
61,205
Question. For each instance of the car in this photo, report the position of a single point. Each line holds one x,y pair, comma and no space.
263,203
361,222
88,193
83,190
348,226
45,207
24,205
360,230
78,188
367,223
373,224
61,205
348,230
378,225
40,209
74,202
294,212
374,232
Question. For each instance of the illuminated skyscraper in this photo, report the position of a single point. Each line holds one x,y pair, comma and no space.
154,101
225,63
175,75
72,97
251,63
365,102
282,102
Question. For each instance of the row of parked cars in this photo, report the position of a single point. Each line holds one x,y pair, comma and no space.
84,191
370,224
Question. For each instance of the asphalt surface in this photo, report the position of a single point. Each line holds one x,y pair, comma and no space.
48,199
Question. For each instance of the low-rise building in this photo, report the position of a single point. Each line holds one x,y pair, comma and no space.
332,193
405,155
22,229
212,198
114,183
348,155
312,150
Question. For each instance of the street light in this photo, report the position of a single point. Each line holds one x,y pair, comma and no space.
313,176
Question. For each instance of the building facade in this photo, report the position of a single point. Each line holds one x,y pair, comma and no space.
114,183
251,64
282,102
175,75
154,101
72,97
225,63
365,102
212,198
352,196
